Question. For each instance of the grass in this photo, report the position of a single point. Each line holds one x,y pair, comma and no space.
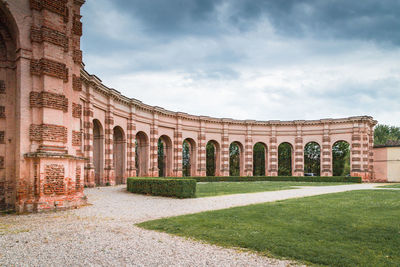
391,186
358,228
228,188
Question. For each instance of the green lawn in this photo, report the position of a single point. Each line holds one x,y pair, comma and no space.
228,188
391,186
359,228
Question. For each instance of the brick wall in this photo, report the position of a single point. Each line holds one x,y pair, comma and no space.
76,110
76,138
54,179
76,83
49,100
2,87
48,132
49,67
46,34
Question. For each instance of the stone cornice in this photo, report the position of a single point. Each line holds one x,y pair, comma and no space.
94,82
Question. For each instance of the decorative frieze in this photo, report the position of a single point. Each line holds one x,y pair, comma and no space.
46,34
48,132
49,67
48,100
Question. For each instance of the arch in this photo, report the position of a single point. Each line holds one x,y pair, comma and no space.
285,159
119,142
260,159
189,158
213,158
341,158
98,152
236,159
164,156
312,158
142,148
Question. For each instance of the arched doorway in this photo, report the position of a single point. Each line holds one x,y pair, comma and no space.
236,159
119,154
98,152
285,159
142,154
312,158
164,156
189,157
212,158
259,159
341,158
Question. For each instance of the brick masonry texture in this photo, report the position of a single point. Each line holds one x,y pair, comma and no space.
1,162
48,132
76,83
2,112
77,56
78,179
2,134
56,6
76,138
54,179
48,100
49,67
46,34
2,87
76,110
77,25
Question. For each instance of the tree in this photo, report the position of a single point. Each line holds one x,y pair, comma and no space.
312,158
234,160
185,159
210,159
341,158
258,160
285,159
386,135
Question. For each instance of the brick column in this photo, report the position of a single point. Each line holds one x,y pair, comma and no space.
248,153
88,144
371,153
109,164
356,151
299,155
178,147
225,150
131,149
202,171
154,147
273,153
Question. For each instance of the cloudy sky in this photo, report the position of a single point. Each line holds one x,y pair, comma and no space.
250,59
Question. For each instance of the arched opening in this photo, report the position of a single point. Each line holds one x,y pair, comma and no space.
142,149
236,159
119,154
285,159
259,159
212,158
98,152
189,157
312,158
341,158
164,156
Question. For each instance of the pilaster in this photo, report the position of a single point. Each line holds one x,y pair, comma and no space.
131,149
178,148
248,153
154,146
201,171
225,149
273,153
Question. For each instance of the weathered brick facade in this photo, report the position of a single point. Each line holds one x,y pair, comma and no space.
46,34
48,132
48,100
49,67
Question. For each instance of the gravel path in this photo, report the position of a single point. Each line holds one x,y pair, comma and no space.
103,234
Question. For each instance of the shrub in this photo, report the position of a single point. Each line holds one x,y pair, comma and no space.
167,187
340,179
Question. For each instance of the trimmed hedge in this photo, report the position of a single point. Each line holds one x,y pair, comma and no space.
167,187
340,179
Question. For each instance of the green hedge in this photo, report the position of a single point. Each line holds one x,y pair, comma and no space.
167,187
340,179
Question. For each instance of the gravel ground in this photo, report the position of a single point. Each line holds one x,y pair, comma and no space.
103,234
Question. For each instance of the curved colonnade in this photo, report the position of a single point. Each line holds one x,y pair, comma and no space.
122,135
